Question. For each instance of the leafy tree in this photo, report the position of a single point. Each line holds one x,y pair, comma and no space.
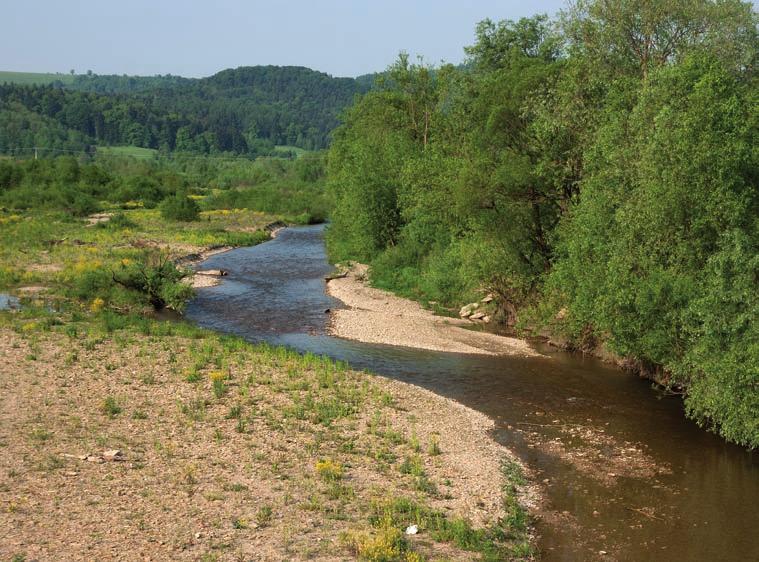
638,35
669,188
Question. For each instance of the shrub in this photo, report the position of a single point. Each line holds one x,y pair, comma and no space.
88,280
110,407
118,221
264,515
158,279
180,208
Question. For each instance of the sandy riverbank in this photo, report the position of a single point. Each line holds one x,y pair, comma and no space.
377,316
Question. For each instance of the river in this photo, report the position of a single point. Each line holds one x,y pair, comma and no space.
624,475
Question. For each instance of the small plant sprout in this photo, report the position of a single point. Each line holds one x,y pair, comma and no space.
110,407
217,381
264,515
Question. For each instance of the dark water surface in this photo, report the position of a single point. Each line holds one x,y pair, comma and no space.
621,469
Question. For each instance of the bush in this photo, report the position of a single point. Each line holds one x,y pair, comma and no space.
158,279
180,208
118,221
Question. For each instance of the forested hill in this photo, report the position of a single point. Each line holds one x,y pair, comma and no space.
246,110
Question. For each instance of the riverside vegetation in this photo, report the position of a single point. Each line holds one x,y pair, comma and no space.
597,173
167,440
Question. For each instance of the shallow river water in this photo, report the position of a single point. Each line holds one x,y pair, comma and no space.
624,475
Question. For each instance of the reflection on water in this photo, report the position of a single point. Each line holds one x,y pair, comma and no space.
622,470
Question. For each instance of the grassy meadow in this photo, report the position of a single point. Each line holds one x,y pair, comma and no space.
34,78
133,151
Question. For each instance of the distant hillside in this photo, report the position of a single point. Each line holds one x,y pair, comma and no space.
247,110
39,78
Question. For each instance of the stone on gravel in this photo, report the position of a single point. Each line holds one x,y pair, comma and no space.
113,455
468,309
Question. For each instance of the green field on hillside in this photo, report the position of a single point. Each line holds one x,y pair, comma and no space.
134,151
27,78
287,148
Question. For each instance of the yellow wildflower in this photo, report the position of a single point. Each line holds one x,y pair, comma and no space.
97,305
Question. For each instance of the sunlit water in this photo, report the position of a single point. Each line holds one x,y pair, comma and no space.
621,469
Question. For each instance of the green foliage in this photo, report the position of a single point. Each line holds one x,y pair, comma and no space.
650,250
597,174
179,207
502,541
80,186
158,279
110,407
294,189
367,158
721,367
118,221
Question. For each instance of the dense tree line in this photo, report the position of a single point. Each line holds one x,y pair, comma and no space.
21,128
599,173
123,84
245,110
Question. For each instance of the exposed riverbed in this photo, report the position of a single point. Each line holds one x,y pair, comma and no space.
371,315
624,474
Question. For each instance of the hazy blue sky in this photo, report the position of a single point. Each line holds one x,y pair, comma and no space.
198,38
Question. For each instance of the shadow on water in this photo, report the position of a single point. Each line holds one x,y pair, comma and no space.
621,469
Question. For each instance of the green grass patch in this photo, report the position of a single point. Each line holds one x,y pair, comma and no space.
130,151
34,78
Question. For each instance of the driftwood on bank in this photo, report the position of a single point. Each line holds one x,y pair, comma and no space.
329,278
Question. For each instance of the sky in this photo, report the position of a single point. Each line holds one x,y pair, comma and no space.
199,38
